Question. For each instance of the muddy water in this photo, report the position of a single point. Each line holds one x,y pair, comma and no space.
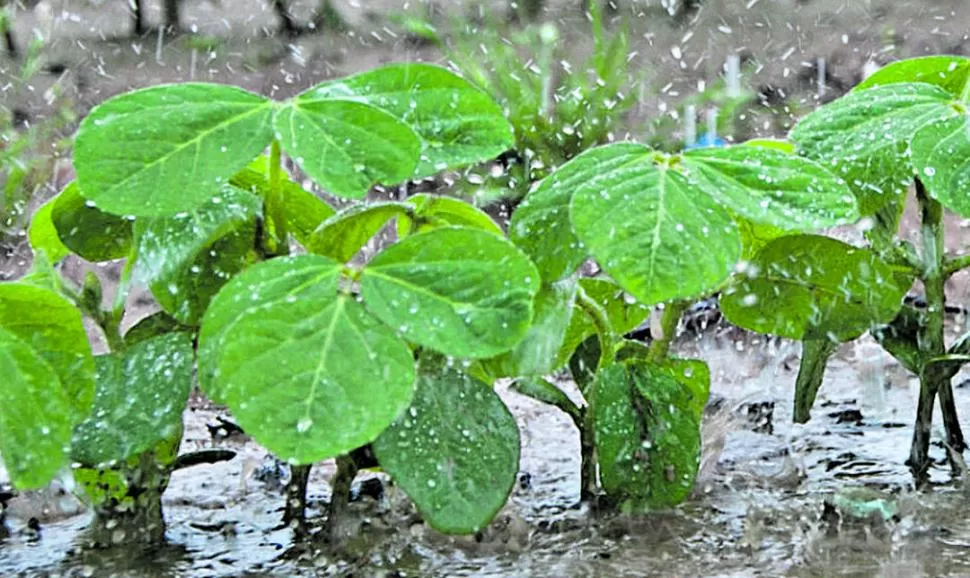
756,513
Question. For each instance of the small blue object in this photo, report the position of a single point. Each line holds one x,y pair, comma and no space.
708,140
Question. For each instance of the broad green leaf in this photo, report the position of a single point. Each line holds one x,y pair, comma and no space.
155,325
347,147
770,187
863,137
461,292
784,146
885,226
951,73
537,353
35,415
755,236
306,371
304,210
88,231
139,400
343,235
52,326
433,211
647,436
624,313
811,372
901,338
43,236
541,224
455,451
541,389
941,157
167,149
457,123
695,376
813,287
653,231
186,258
584,363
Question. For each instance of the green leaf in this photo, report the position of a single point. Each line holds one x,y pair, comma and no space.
43,235
35,415
304,211
755,236
541,389
52,326
462,292
584,363
43,274
811,372
784,146
771,187
650,228
813,287
345,146
455,451
624,313
537,353
88,231
187,258
457,123
863,137
951,73
695,376
167,149
139,400
343,235
433,211
647,436
941,156
155,325
306,371
901,338
541,225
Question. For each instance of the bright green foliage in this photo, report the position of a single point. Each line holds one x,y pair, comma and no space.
138,402
52,326
167,149
462,292
154,325
35,414
431,212
812,287
455,451
941,157
186,258
88,231
647,437
950,73
343,235
43,235
332,361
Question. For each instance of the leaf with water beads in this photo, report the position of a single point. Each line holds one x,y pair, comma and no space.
462,292
305,370
167,149
344,234
941,156
951,73
35,415
455,451
813,287
138,402
434,211
88,231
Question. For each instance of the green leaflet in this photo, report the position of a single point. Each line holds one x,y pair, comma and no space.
51,325
167,149
88,231
138,402
941,157
35,415
813,287
456,123
43,235
863,137
951,73
647,436
155,325
650,228
541,389
332,362
461,292
455,451
433,211
343,235
187,258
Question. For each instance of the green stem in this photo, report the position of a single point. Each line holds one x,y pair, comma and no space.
659,348
340,497
953,264
601,321
276,239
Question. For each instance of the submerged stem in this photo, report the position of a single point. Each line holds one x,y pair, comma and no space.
294,512
340,496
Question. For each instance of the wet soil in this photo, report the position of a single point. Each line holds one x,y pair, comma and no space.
764,482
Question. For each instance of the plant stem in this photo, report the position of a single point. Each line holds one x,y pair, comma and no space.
601,321
934,378
953,264
340,496
659,348
294,512
276,240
